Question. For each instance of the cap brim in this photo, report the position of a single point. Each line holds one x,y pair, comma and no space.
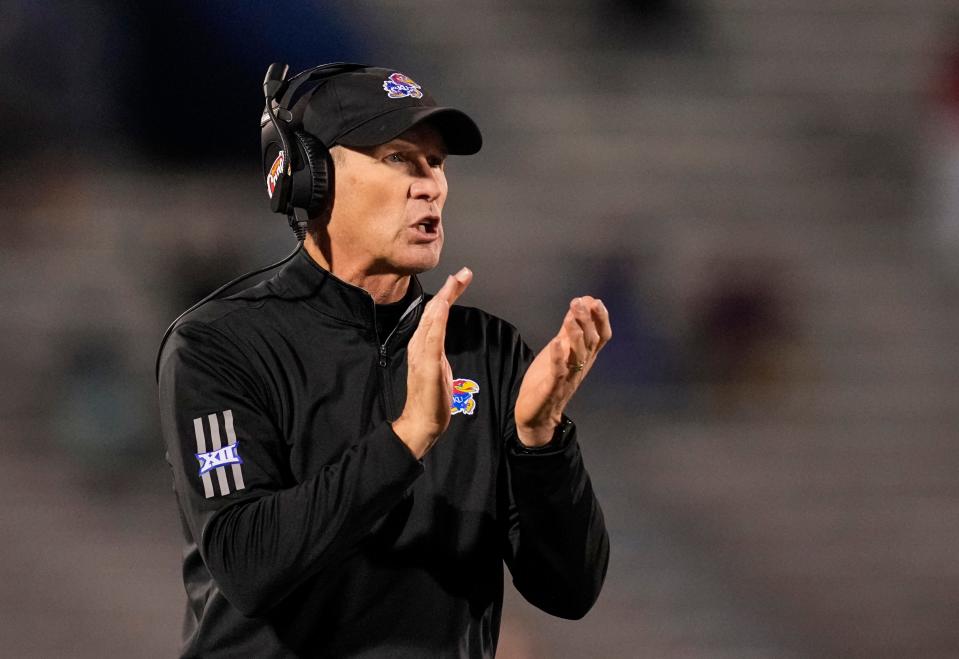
460,133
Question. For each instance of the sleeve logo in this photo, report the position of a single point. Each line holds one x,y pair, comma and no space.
463,391
215,461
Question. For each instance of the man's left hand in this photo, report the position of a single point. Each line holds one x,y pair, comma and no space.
559,369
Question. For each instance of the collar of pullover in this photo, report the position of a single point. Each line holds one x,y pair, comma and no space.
304,278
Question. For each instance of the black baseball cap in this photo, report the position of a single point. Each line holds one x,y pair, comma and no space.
373,105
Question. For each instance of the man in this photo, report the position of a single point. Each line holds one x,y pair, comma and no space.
354,460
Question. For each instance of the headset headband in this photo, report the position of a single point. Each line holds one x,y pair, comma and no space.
298,86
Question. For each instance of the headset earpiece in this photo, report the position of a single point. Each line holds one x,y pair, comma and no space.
306,193
313,182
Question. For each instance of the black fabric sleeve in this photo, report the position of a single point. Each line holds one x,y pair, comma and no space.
259,533
557,547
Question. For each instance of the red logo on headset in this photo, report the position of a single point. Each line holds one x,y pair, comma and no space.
274,174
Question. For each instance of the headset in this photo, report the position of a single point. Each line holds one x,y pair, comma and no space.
297,166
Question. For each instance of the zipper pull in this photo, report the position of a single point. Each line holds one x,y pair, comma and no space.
383,361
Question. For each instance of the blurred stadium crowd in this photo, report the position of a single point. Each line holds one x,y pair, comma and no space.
764,193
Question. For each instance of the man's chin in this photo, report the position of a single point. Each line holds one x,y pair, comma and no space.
419,269
421,262
415,265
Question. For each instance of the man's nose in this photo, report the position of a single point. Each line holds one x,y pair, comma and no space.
427,183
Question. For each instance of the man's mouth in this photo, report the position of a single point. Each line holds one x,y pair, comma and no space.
427,227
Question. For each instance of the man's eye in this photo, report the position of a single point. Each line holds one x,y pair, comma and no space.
396,157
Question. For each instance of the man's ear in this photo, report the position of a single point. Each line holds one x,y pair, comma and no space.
336,153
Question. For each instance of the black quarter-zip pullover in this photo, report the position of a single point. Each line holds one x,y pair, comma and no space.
310,528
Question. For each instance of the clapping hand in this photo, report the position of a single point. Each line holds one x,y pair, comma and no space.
429,380
559,369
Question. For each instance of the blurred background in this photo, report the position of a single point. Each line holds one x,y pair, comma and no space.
765,194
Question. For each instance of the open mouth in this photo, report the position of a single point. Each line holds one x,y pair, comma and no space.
428,227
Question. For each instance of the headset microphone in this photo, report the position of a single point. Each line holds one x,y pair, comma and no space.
275,79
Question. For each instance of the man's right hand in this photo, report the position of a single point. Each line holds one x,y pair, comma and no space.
429,380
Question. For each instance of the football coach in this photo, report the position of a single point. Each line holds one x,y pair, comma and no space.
354,459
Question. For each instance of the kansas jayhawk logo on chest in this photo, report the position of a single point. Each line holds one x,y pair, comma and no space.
463,390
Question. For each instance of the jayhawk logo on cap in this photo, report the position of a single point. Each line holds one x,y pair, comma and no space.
463,391
399,86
